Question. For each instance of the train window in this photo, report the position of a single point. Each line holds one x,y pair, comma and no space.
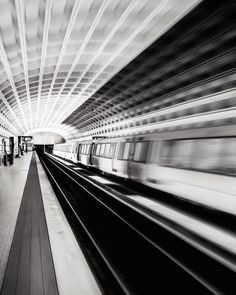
181,154
98,150
73,148
141,151
107,150
154,153
207,154
165,153
120,150
126,151
87,149
103,146
93,148
82,149
228,156
112,150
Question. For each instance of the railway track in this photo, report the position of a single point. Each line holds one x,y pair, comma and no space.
135,247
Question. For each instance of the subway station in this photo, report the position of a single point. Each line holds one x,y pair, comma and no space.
117,147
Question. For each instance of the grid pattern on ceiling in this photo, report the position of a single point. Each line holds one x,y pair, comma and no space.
194,59
55,54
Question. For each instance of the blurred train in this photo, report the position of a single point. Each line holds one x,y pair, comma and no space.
174,161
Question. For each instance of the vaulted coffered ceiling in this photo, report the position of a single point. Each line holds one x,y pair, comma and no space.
56,54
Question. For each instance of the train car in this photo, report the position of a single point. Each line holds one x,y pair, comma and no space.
103,152
71,152
85,151
76,152
199,162
119,156
57,148
192,161
64,150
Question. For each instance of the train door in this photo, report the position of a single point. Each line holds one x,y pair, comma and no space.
130,158
92,151
112,154
77,152
138,160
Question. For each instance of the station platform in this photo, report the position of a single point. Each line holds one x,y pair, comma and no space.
38,251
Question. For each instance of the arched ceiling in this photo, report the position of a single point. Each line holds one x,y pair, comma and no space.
185,79
55,54
47,137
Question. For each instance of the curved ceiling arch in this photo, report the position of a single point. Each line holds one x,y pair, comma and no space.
65,133
55,54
